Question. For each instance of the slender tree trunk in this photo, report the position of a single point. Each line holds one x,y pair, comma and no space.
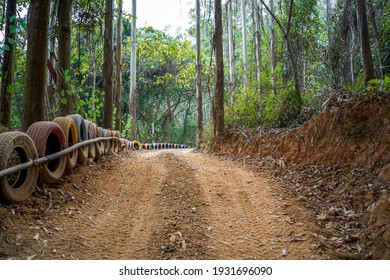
199,79
352,56
377,37
133,84
37,38
64,53
118,96
232,82
219,125
8,62
272,40
108,66
256,23
244,48
368,66
94,69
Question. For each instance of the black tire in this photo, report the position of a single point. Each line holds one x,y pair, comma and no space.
49,138
19,147
70,130
83,135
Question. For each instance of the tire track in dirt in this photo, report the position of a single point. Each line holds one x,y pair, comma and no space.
249,216
165,204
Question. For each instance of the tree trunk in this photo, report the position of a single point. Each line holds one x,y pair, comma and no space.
133,85
108,66
7,70
256,23
219,125
118,81
37,38
199,95
377,37
232,81
244,48
64,53
368,66
272,40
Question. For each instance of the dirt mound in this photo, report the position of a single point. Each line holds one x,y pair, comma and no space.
356,133
338,166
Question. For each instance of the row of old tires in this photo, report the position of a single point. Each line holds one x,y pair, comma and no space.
158,146
135,145
45,138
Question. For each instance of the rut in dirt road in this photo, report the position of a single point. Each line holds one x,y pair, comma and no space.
170,204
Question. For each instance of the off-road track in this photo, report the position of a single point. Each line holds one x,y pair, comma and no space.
162,204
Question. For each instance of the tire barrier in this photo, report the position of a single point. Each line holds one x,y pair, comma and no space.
100,144
115,143
83,135
107,144
136,145
70,130
50,147
91,132
49,138
17,148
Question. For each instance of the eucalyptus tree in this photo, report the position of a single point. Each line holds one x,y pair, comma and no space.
35,76
133,85
64,54
108,65
118,64
198,78
368,65
218,112
244,45
8,61
232,82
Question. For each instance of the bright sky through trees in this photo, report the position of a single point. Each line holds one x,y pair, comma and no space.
161,14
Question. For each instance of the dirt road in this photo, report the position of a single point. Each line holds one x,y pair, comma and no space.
163,204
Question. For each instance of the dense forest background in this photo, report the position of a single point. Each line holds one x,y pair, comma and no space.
284,61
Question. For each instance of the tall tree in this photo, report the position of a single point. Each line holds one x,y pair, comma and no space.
8,61
256,23
368,65
133,84
108,65
64,54
232,81
244,47
118,80
272,39
35,75
198,79
218,114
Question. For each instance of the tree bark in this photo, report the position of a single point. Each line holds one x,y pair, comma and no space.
133,85
199,95
368,66
108,66
36,58
8,62
244,48
118,81
232,82
219,125
272,40
64,55
256,23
